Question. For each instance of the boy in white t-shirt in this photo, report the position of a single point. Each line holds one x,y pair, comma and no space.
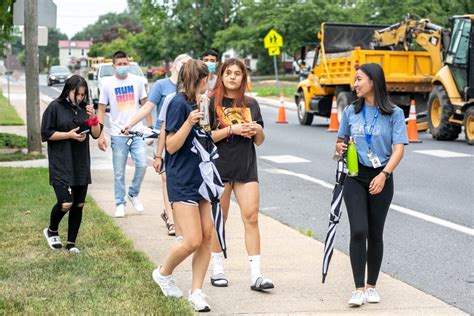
124,92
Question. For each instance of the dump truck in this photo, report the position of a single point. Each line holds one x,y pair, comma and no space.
451,101
410,52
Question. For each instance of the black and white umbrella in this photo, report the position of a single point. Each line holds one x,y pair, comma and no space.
145,132
212,187
335,214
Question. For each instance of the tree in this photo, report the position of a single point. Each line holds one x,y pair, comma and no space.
6,24
108,23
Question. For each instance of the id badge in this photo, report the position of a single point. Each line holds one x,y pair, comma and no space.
129,141
375,161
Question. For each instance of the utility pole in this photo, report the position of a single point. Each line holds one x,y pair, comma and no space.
32,75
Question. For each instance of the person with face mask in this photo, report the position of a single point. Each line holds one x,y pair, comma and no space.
66,125
160,90
211,58
124,92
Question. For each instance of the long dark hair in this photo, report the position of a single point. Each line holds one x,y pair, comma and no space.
74,83
193,72
219,89
375,73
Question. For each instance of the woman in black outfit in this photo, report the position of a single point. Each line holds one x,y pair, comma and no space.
66,125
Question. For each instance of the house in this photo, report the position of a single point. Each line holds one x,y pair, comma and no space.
71,53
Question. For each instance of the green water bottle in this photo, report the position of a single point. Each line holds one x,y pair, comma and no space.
352,160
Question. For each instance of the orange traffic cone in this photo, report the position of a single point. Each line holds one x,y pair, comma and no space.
412,129
333,122
281,111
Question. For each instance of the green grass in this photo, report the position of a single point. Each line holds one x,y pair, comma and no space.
307,232
107,277
8,140
269,88
19,156
8,115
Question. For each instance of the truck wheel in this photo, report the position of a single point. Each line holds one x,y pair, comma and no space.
439,112
344,99
304,117
469,125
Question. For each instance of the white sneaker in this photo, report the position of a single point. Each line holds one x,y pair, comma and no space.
372,296
198,301
137,204
167,284
120,211
357,299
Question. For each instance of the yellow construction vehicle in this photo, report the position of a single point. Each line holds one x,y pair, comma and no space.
451,102
410,52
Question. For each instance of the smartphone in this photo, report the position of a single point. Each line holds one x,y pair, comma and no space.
86,131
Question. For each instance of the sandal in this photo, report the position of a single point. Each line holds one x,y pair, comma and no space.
219,280
262,284
54,242
171,229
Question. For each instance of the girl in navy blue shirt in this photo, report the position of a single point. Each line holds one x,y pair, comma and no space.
191,210
379,131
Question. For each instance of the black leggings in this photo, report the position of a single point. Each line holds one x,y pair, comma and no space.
367,214
64,194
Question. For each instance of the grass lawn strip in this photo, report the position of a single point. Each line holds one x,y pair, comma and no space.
8,115
107,277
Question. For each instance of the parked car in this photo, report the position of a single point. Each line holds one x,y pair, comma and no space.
58,74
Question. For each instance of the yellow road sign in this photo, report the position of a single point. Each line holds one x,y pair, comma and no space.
274,51
273,39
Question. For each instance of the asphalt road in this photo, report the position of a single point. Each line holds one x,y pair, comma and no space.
429,231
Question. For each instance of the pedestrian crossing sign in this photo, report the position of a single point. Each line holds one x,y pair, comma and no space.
273,39
274,51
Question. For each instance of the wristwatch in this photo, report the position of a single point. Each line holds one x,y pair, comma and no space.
386,173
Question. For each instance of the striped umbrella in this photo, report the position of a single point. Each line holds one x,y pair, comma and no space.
335,215
212,187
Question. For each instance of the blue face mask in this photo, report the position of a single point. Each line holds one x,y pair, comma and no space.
122,71
211,66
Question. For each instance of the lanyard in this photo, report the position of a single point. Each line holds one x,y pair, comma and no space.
368,135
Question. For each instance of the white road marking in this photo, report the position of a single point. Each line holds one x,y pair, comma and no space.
442,153
301,176
432,219
284,159
400,209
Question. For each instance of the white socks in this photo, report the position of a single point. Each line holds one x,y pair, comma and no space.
217,262
218,265
255,272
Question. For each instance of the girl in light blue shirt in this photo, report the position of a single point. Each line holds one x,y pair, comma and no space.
379,131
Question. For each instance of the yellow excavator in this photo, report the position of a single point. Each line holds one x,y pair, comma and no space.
451,101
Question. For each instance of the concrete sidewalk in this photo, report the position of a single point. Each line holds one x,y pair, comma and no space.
292,260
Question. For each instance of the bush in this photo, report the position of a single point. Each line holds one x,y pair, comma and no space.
12,141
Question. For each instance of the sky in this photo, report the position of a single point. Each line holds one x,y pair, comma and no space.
74,15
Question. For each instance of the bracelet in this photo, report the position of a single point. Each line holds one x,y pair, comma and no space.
92,122
155,156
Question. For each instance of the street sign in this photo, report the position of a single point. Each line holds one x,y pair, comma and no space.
46,13
273,39
274,51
